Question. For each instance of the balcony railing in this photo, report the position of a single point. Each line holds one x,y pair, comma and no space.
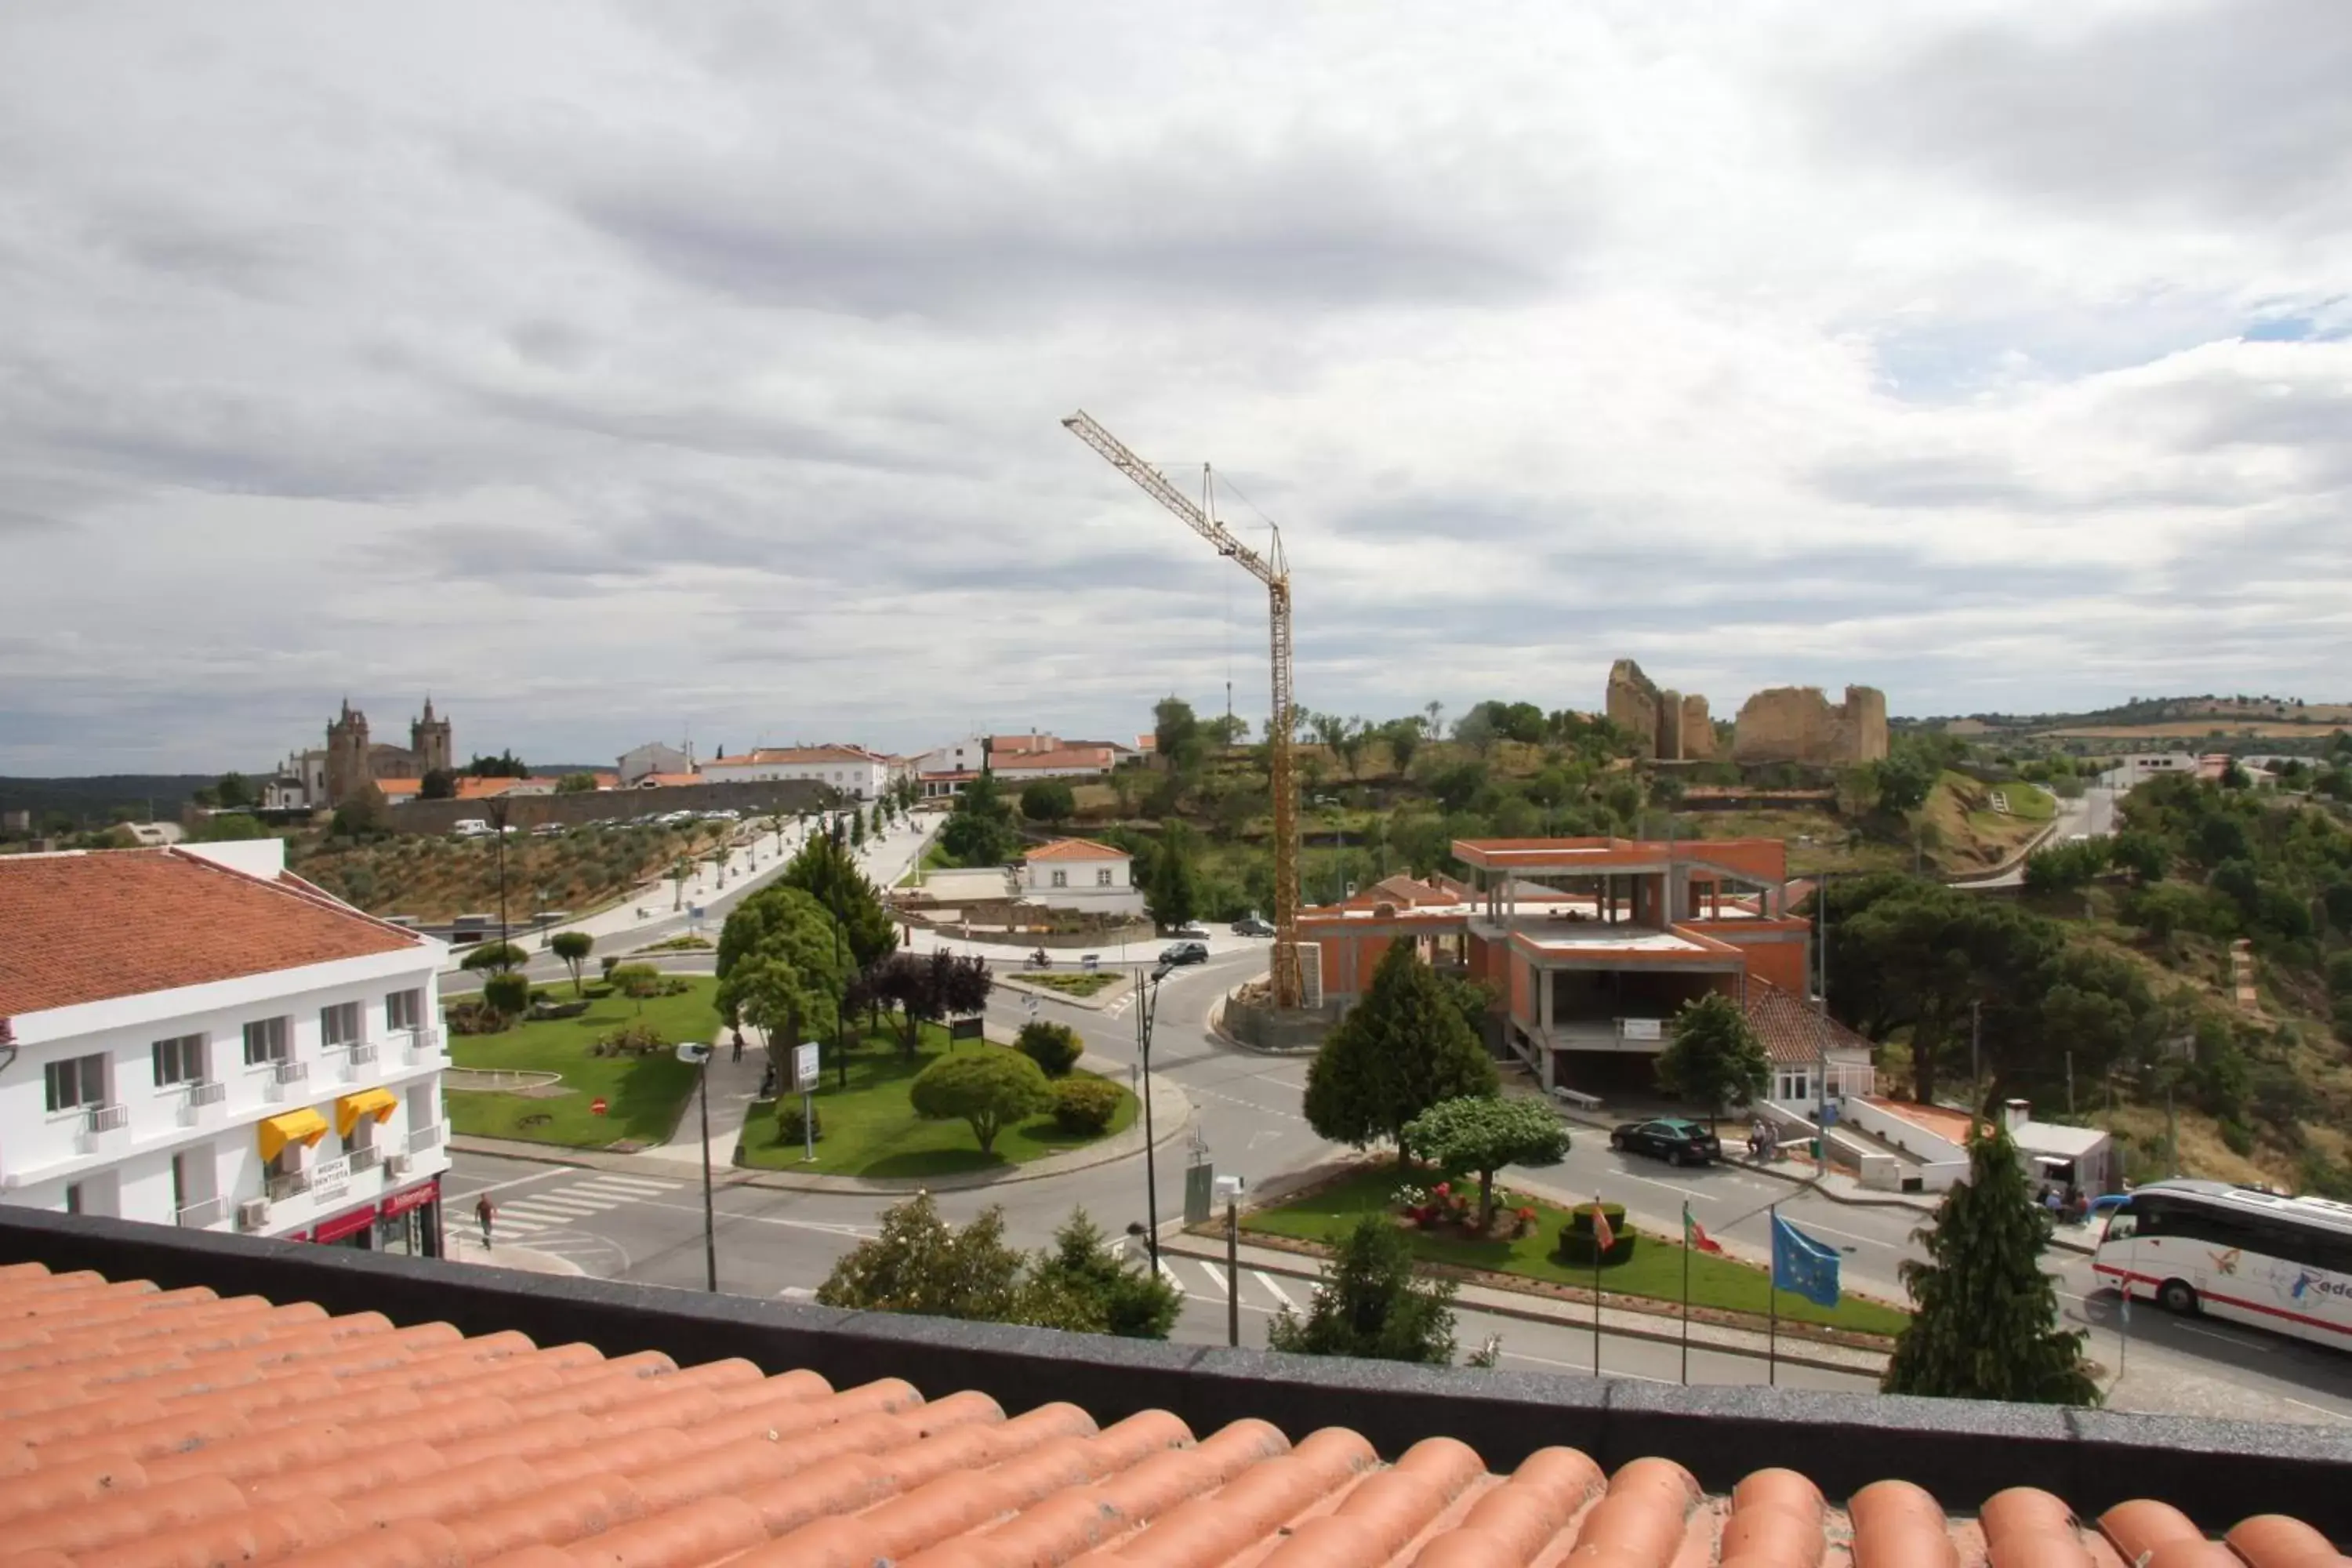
362,1053
208,1211
428,1136
366,1157
203,1093
423,1045
288,1183
291,1072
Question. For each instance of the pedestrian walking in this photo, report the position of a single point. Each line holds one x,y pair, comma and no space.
485,1211
737,1054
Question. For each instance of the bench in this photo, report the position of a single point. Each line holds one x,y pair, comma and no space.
1577,1098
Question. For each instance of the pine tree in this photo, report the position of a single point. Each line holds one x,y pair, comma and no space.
1368,1304
1985,1317
1400,1050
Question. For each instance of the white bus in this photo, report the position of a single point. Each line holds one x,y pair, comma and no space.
2235,1253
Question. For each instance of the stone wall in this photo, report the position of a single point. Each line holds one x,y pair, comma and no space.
1798,724
1698,730
785,797
1664,724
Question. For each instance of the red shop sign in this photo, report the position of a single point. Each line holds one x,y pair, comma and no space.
401,1203
343,1225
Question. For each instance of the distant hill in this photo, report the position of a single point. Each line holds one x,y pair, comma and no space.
92,801
2264,715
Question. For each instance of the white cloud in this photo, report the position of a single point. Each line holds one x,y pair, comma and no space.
607,369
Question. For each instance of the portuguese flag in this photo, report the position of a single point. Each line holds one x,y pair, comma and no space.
1695,1237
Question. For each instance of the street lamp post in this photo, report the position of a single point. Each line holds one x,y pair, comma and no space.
1147,999
498,809
700,1056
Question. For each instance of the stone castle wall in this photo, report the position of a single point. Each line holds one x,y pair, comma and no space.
1667,725
1798,724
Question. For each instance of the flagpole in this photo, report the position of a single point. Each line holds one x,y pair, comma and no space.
1686,1252
1598,1223
1773,1295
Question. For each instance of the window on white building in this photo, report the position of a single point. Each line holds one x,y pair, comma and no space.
1102,877
1061,879
265,1041
193,1178
180,1060
73,1197
339,1024
1793,1086
404,1009
75,1082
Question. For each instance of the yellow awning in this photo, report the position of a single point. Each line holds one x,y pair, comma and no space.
303,1126
376,1103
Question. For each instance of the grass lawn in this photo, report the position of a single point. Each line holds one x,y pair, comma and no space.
643,1093
1082,984
870,1130
1655,1269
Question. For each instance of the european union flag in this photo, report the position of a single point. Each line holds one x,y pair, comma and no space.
1803,1267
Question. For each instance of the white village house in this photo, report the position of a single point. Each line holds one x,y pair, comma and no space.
192,1036
1080,874
854,771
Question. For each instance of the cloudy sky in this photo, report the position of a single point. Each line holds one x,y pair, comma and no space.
614,370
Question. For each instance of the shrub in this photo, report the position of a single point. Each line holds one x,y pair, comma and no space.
790,1127
2237,1137
548,1009
1576,1235
1084,1106
630,1040
608,963
509,994
598,992
1055,1048
474,1018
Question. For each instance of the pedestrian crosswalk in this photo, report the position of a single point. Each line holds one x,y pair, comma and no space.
563,1207
1259,1290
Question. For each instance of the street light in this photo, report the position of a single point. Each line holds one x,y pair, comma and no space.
699,1056
1147,999
498,809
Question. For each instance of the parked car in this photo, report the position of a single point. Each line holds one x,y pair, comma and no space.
471,828
1676,1140
548,830
1193,929
1250,925
1185,952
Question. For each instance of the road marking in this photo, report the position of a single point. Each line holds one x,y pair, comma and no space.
543,1211
1169,1271
1267,1280
2323,1410
1216,1278
638,1182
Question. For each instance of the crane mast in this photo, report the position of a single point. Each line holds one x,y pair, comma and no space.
1274,571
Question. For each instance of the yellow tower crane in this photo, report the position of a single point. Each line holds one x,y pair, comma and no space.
1271,569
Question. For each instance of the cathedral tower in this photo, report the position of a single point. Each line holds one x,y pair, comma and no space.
429,738
347,754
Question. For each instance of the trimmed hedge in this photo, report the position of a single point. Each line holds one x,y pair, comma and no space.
1576,1237
1085,1105
1055,1048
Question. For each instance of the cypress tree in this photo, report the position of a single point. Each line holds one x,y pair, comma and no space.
1985,1318
1400,1050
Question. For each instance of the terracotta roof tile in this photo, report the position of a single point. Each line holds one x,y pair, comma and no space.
1792,1031
499,1454
1075,850
121,922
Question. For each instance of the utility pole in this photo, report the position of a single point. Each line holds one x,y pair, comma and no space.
1146,996
1821,1032
1976,1058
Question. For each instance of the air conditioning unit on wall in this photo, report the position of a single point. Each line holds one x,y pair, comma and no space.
253,1214
396,1166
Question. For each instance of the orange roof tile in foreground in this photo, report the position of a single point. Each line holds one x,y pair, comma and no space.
145,1428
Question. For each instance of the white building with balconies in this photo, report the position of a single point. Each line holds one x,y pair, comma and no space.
193,1036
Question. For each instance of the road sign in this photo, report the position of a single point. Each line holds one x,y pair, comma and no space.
965,1029
596,1107
804,1066
1199,1188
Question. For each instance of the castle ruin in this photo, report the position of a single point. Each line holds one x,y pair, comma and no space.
1665,725
1798,724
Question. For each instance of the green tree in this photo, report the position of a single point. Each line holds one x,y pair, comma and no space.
637,981
236,791
786,1002
228,826
1480,1134
989,1090
497,956
573,947
1404,1048
829,874
2143,855
1176,735
1049,800
978,831
1714,1058
785,925
507,993
1053,1046
362,815
576,783
1404,738
1112,1294
439,783
1172,895
1368,1305
1984,1316
920,1263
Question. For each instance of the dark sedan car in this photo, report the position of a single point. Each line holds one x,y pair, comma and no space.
1250,925
1673,1139
1185,952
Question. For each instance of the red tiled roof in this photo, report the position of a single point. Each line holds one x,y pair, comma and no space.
663,780
400,786
123,922
1790,1030
1091,757
1076,849
472,788
146,1428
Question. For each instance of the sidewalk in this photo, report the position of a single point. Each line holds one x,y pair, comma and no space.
1623,1322
465,1246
